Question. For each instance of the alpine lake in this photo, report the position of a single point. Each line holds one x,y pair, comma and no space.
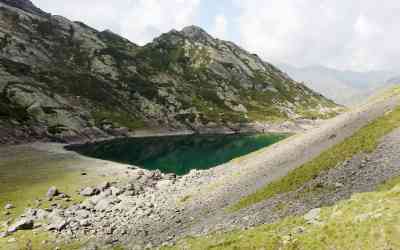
178,154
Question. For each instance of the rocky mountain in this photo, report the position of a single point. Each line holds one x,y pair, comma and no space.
344,87
67,81
393,80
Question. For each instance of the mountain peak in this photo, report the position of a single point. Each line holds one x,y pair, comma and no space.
25,5
196,33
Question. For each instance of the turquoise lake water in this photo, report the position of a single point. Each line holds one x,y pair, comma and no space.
178,154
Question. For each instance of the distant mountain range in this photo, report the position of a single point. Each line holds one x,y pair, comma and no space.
344,87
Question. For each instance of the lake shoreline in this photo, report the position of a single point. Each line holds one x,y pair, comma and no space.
292,126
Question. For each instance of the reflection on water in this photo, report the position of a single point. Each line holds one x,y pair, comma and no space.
178,154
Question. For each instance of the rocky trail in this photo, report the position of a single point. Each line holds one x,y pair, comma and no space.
149,209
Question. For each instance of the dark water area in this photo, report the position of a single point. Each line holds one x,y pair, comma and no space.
178,154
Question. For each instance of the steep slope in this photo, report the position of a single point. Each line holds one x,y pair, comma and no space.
366,221
344,87
67,81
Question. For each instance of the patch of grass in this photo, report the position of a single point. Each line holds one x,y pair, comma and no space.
314,115
29,173
32,240
120,118
364,140
185,198
367,221
389,184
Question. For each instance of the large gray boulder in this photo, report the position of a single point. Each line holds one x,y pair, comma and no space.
22,224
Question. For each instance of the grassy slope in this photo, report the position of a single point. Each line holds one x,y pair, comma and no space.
366,221
23,193
364,140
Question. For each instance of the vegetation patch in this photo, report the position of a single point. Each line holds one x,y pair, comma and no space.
364,140
389,184
119,118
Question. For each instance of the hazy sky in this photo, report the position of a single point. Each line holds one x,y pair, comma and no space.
345,34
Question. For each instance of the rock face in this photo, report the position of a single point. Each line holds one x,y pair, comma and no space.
65,81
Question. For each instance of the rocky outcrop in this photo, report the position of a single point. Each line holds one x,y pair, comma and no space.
65,81
26,5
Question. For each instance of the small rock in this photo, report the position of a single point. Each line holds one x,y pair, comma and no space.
130,193
84,223
3,234
30,213
105,204
313,215
53,191
170,176
58,225
130,187
339,185
63,196
163,184
110,230
87,204
9,206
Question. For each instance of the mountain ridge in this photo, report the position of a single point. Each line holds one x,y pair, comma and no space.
343,86
66,81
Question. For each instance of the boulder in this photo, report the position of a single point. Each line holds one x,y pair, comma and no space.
82,214
22,224
56,222
9,206
89,191
106,204
97,198
52,192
